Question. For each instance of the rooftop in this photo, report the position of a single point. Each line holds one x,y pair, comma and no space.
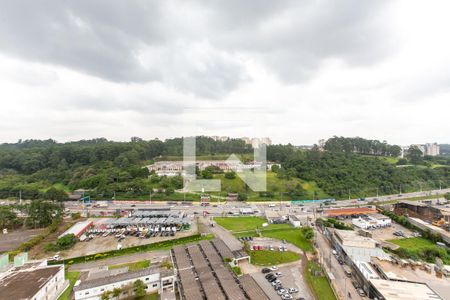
392,271
120,277
335,212
25,283
396,290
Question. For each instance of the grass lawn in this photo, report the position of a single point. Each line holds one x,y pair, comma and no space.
245,226
318,284
153,296
133,266
72,277
240,223
293,236
420,249
270,258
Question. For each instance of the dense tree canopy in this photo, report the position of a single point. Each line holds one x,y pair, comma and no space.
48,170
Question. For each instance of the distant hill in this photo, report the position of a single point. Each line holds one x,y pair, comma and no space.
47,169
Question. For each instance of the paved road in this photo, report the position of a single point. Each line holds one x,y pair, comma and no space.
154,257
224,208
343,283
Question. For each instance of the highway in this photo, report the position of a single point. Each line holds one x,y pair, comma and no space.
229,208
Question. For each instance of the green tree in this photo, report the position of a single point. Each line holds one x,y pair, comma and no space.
56,194
8,217
116,292
66,242
139,288
105,295
415,155
230,175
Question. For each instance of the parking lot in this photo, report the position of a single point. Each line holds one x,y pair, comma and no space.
13,239
291,277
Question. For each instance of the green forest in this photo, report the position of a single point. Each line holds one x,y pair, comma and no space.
46,169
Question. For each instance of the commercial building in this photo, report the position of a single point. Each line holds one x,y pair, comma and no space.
156,279
394,290
203,274
372,222
78,228
176,168
349,212
33,281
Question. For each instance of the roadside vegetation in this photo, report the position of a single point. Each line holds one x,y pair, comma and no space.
421,249
317,282
134,266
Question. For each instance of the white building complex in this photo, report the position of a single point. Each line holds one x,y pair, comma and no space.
175,168
372,222
97,283
33,281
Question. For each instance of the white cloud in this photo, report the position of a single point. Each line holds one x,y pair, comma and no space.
295,71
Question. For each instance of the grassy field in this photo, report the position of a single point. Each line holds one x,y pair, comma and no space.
240,223
421,249
318,284
293,236
133,266
245,226
270,258
412,243
153,296
72,277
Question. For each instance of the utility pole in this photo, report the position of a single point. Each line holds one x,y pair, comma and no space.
400,189
377,192
349,198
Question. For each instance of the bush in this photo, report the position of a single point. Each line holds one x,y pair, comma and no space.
230,175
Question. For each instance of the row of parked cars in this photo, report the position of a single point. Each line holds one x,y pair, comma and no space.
273,278
270,247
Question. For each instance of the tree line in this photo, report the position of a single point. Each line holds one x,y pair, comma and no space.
361,146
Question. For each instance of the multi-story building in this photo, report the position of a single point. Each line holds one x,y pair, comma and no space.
432,149
33,281
155,279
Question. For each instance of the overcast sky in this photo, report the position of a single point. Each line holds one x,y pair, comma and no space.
296,71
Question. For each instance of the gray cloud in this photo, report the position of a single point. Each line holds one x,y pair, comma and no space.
109,39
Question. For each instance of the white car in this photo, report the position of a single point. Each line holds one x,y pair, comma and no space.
286,297
281,292
279,274
273,268
293,290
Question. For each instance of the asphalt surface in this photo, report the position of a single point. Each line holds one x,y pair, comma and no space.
343,283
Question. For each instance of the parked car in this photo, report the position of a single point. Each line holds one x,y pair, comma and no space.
274,268
292,290
265,270
279,274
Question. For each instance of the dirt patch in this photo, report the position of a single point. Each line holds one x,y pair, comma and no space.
102,244
37,252
13,239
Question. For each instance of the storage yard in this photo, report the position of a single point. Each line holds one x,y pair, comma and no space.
203,273
141,228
